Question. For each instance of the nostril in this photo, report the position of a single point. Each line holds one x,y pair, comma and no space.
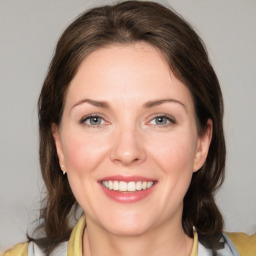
127,157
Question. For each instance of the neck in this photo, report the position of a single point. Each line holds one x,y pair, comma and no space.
164,240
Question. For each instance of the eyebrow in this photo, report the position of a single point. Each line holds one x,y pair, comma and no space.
155,103
96,103
149,104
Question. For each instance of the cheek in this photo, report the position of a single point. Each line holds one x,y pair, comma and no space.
174,151
175,160
82,153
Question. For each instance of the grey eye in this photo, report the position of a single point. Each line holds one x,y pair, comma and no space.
161,120
94,120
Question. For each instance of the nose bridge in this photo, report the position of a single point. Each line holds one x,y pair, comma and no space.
127,145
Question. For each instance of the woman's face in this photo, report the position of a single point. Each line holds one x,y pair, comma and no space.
128,140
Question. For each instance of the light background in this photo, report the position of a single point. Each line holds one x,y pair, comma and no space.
28,33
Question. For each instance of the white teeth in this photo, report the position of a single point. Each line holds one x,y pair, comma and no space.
122,186
110,185
138,185
130,186
150,184
116,185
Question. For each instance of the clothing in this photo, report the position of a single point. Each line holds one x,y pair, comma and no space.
245,245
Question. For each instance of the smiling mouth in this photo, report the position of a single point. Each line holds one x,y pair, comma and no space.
131,186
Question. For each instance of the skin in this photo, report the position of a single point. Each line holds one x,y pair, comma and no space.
128,140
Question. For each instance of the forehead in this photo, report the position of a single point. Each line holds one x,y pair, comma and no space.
121,72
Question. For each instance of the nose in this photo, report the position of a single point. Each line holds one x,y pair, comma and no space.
128,148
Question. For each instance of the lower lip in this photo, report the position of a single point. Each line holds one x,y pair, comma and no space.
127,197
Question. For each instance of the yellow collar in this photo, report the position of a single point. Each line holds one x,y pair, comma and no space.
75,241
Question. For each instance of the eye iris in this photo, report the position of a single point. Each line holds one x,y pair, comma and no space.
95,120
161,120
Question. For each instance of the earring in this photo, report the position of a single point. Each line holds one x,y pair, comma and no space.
62,166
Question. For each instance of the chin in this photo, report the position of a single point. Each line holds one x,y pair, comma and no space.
132,226
128,231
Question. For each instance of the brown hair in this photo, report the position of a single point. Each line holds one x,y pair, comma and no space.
125,23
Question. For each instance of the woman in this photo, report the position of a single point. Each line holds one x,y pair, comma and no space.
131,113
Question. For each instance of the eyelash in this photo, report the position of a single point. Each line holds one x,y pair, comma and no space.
170,120
90,117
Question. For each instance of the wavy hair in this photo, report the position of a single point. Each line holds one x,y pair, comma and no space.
124,23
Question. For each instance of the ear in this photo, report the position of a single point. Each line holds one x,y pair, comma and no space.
202,147
58,144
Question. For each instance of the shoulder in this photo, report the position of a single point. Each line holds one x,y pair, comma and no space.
234,244
18,250
31,249
245,244
71,247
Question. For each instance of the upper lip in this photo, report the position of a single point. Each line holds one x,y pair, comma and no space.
126,178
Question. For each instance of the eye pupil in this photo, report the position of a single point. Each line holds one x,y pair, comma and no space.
95,120
161,120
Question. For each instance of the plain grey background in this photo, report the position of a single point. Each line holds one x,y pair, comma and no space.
29,31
